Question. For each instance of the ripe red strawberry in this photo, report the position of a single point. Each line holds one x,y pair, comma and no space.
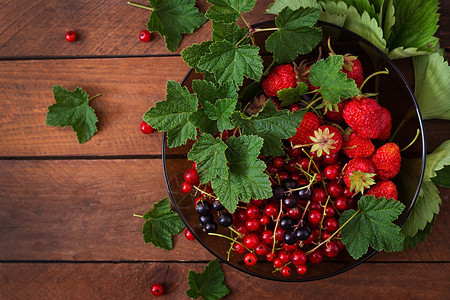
385,189
363,116
305,130
279,78
352,67
334,112
385,124
386,161
326,139
359,174
356,146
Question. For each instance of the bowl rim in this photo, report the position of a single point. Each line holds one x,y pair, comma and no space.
371,251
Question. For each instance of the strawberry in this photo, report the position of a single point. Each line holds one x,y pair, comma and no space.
358,174
385,124
326,139
310,86
305,130
386,189
356,146
333,112
386,161
352,67
279,78
363,116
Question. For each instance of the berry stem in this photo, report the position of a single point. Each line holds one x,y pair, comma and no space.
303,215
205,193
276,225
231,239
242,39
140,6
323,215
92,98
314,101
266,29
413,141
240,235
386,71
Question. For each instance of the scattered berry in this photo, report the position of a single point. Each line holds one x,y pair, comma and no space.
145,128
189,235
157,290
145,36
71,36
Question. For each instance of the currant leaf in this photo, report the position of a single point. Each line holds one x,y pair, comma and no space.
292,95
209,284
221,112
172,18
172,115
228,11
208,92
278,5
295,35
372,225
192,55
72,109
230,32
161,223
200,120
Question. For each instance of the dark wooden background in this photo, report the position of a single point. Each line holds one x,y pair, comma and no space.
66,210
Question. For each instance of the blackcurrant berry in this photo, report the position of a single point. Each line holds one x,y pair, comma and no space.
217,206
305,194
302,233
289,238
225,219
290,201
203,207
204,219
211,227
289,184
278,192
286,223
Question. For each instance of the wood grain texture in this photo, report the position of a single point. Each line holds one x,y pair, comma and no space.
133,281
81,210
128,87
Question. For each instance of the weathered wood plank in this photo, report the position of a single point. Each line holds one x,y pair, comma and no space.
133,281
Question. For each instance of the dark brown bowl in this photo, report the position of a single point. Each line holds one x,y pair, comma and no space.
394,93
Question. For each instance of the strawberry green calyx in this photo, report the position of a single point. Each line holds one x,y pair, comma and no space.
359,174
323,141
361,181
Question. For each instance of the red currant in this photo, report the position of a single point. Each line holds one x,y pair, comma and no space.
262,249
295,152
278,162
347,192
331,224
294,213
271,210
286,271
304,163
189,235
279,234
252,224
284,256
267,236
252,212
330,211
250,259
334,189
251,240
270,256
301,269
315,257
145,128
238,248
331,172
283,176
186,187
290,248
277,263
191,176
319,195
298,257
315,206
145,36
330,249
314,217
157,290
341,203
295,107
264,220
71,36
325,235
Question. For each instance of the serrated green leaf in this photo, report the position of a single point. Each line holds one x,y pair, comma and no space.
270,124
437,160
292,95
333,84
209,154
372,226
230,32
442,178
361,6
432,90
221,112
172,115
230,63
208,92
192,55
200,120
420,236
415,24
228,11
295,35
247,178
72,109
209,284
161,223
278,5
389,18
338,20
172,18
401,52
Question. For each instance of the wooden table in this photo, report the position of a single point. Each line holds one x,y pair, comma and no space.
66,210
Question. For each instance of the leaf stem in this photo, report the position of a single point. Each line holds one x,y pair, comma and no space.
242,39
386,71
205,193
228,238
265,29
92,98
311,103
246,23
140,6
139,216
413,141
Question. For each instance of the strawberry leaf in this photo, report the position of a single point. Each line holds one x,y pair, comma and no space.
72,109
172,18
221,112
333,84
173,114
228,11
208,92
209,154
295,35
442,178
209,284
229,32
420,236
192,55
231,63
161,223
278,5
292,95
246,178
270,124
361,6
437,160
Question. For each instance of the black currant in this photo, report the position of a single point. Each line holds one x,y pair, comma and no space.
225,219
217,206
211,227
205,219
289,184
290,201
303,232
203,207
278,192
305,194
286,223
289,238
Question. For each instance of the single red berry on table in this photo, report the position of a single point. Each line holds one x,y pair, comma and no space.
71,36
145,128
189,235
250,259
386,161
157,289
279,78
385,189
145,36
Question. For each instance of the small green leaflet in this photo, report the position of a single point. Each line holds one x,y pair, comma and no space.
443,177
229,32
420,236
333,83
432,88
389,18
209,154
192,55
221,112
201,120
208,92
372,226
270,124
228,11
231,63
160,224
361,6
295,35
172,115
209,284
437,160
278,5
72,109
292,95
246,178
171,18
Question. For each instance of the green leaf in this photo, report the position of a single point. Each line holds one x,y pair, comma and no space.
209,284
389,18
208,92
420,236
246,178
72,109
338,20
415,24
372,226
221,111
172,18
230,32
442,178
209,154
295,35
333,83
432,78
230,63
278,5
228,11
437,160
292,95
161,223
270,124
200,120
402,52
192,55
361,6
172,115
